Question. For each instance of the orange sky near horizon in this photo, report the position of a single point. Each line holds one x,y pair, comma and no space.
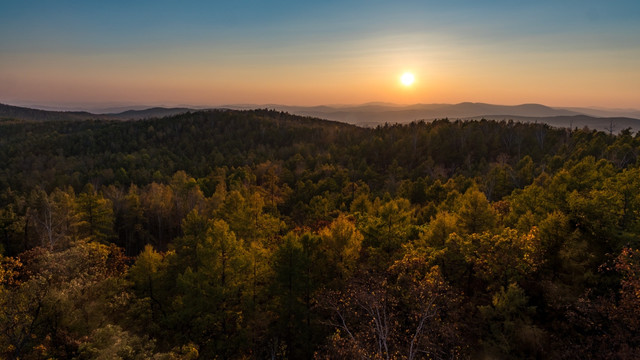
489,53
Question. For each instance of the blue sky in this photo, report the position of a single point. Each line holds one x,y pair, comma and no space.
82,53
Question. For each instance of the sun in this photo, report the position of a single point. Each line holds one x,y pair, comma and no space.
407,79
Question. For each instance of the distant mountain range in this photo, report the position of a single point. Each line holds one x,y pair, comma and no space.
379,113
9,112
373,114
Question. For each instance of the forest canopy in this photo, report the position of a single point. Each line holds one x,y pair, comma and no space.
259,234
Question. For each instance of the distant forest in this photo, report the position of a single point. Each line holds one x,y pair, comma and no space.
263,235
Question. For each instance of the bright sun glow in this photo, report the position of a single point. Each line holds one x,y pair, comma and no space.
407,79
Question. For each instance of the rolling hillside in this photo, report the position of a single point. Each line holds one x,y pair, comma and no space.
374,114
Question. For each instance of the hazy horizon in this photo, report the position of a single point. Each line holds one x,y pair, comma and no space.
105,108
73,55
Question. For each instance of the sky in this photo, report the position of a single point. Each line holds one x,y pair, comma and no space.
94,54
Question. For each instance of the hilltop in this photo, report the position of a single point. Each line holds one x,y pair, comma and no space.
374,114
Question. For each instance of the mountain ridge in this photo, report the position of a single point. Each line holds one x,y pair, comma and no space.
374,114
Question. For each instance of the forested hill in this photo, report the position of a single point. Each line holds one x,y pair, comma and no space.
374,114
17,113
259,234
55,154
